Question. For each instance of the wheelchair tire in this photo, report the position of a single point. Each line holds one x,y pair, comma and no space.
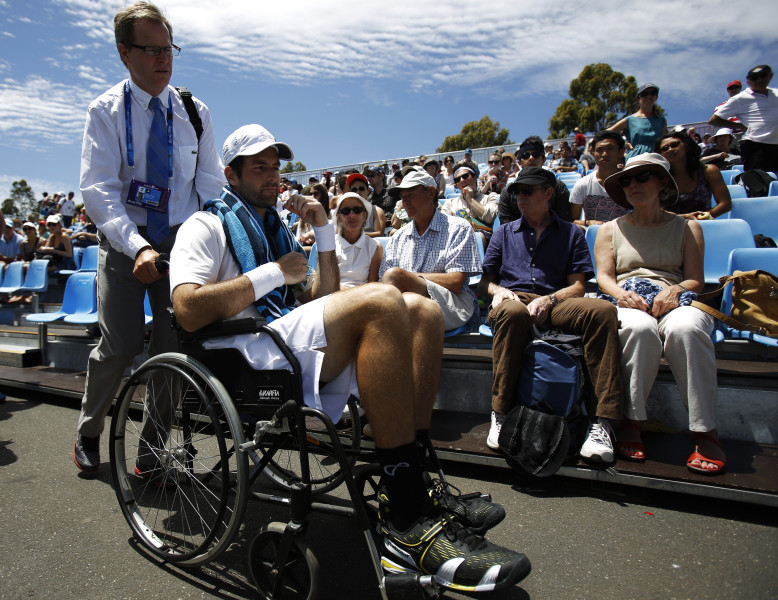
191,516
326,474
300,577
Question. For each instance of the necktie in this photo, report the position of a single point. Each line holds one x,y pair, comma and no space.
157,224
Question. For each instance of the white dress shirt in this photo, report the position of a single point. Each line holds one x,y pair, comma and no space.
106,174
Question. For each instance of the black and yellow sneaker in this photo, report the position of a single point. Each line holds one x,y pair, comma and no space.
455,557
475,511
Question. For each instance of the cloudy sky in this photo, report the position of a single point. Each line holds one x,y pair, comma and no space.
350,81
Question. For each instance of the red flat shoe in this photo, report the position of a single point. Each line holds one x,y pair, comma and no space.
720,465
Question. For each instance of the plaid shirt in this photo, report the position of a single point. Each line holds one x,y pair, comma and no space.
447,246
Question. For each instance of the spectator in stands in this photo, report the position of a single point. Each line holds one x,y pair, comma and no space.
477,208
31,242
303,231
509,165
58,247
44,208
535,271
493,180
548,148
720,154
643,127
354,340
734,87
655,249
589,195
67,208
359,256
757,111
448,170
580,140
87,236
433,168
380,196
10,243
434,255
586,159
468,161
327,180
696,182
566,163
43,231
530,154
376,220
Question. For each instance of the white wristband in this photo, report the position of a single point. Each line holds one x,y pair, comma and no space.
325,238
265,278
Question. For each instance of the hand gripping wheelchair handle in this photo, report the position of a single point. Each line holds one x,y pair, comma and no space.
162,262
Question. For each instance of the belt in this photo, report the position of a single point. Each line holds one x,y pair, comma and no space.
173,229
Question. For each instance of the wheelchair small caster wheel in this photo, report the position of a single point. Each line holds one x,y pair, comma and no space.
411,586
294,577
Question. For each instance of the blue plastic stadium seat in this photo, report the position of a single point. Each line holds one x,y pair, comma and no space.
737,191
591,236
13,278
721,237
37,279
728,174
148,315
383,241
79,302
485,330
738,168
479,241
760,213
746,259
77,252
313,257
773,191
88,261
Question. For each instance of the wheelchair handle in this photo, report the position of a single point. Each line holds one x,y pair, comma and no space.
162,263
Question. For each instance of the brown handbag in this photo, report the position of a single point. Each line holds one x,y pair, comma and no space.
754,302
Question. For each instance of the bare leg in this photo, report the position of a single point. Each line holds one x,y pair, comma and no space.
371,324
405,281
427,351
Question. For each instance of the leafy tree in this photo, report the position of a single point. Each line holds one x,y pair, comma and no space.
293,167
21,201
599,97
476,134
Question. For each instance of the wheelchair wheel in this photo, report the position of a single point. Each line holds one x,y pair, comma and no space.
326,474
299,579
180,480
368,481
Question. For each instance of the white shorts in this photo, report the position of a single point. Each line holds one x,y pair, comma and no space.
457,308
303,331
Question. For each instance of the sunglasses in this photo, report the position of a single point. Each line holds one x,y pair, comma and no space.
357,189
448,160
357,210
526,190
640,178
494,162
531,153
759,76
461,177
735,87
649,93
670,145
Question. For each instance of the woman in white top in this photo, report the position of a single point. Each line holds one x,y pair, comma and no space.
359,256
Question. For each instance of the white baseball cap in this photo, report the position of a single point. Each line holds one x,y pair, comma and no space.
412,179
252,139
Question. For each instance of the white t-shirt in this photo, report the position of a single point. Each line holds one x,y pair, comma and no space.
757,111
597,205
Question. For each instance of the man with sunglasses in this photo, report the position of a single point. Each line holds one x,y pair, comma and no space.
757,111
495,177
531,154
472,204
535,271
143,172
380,196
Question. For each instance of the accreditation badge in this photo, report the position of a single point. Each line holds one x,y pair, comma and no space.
148,195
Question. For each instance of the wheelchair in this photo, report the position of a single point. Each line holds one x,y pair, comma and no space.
184,429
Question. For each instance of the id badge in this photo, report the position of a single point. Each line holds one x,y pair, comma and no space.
147,195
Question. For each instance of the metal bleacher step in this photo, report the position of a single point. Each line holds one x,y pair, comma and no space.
12,355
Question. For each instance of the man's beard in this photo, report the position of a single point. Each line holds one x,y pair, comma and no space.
259,198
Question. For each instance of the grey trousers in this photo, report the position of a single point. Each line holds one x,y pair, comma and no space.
120,312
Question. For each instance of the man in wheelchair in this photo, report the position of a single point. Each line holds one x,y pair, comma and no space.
238,257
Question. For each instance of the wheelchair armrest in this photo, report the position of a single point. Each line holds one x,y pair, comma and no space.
219,328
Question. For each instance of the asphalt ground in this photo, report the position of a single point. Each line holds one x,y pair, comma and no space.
63,536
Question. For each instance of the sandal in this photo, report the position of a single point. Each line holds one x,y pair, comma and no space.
720,465
631,451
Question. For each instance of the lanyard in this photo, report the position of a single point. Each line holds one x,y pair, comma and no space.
128,123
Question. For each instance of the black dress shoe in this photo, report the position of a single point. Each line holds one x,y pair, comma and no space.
86,453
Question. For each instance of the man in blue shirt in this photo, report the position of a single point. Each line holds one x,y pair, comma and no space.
535,271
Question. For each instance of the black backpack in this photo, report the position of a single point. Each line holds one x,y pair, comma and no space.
757,182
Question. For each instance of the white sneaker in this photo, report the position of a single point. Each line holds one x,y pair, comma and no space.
493,438
598,446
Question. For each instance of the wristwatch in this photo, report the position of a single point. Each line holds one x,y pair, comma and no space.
553,299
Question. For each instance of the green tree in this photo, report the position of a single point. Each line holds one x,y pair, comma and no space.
293,167
476,134
599,97
21,201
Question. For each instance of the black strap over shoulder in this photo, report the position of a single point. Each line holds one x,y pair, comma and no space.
191,110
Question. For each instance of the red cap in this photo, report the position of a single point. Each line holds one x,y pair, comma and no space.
734,82
354,176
